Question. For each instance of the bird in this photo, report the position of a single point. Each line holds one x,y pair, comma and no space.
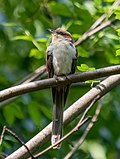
61,60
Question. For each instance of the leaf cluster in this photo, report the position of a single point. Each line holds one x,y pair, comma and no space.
23,41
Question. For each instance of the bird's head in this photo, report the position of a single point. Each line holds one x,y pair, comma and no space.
61,34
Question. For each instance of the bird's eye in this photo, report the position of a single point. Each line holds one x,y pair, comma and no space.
61,33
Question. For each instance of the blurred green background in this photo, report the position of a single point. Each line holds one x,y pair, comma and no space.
23,41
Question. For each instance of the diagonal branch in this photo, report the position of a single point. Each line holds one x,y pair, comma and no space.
93,29
76,128
88,34
80,124
90,125
15,136
96,27
99,25
43,84
106,15
37,74
70,114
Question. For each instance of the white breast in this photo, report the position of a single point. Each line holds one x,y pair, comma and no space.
63,55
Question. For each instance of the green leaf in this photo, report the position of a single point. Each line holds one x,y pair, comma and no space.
111,36
18,112
109,1
34,112
46,111
118,16
117,46
12,112
60,9
82,52
93,82
117,12
8,113
84,68
118,52
118,31
35,53
9,24
84,17
98,2
110,56
6,144
22,37
42,40
10,138
76,36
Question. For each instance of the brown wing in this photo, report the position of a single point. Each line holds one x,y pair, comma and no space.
49,64
74,63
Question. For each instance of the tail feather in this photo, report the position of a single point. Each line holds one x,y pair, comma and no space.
59,99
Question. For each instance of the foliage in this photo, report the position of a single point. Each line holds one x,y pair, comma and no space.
23,41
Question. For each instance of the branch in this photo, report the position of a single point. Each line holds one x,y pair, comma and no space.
106,15
99,25
88,128
52,82
37,74
34,75
76,128
70,114
93,29
15,136
87,34
63,138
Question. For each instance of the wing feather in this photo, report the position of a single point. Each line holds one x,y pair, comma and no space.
49,63
74,63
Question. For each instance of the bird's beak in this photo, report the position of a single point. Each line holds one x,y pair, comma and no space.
51,31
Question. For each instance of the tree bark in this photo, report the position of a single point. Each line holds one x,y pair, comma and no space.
70,114
43,84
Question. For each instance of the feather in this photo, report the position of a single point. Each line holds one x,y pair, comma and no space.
61,58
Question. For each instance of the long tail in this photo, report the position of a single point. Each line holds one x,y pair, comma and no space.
59,99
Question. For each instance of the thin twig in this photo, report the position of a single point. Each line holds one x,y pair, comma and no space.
16,137
2,134
112,8
37,74
98,25
80,40
90,125
80,123
3,155
98,22
63,138
43,84
89,107
88,34
93,29
106,15
69,115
